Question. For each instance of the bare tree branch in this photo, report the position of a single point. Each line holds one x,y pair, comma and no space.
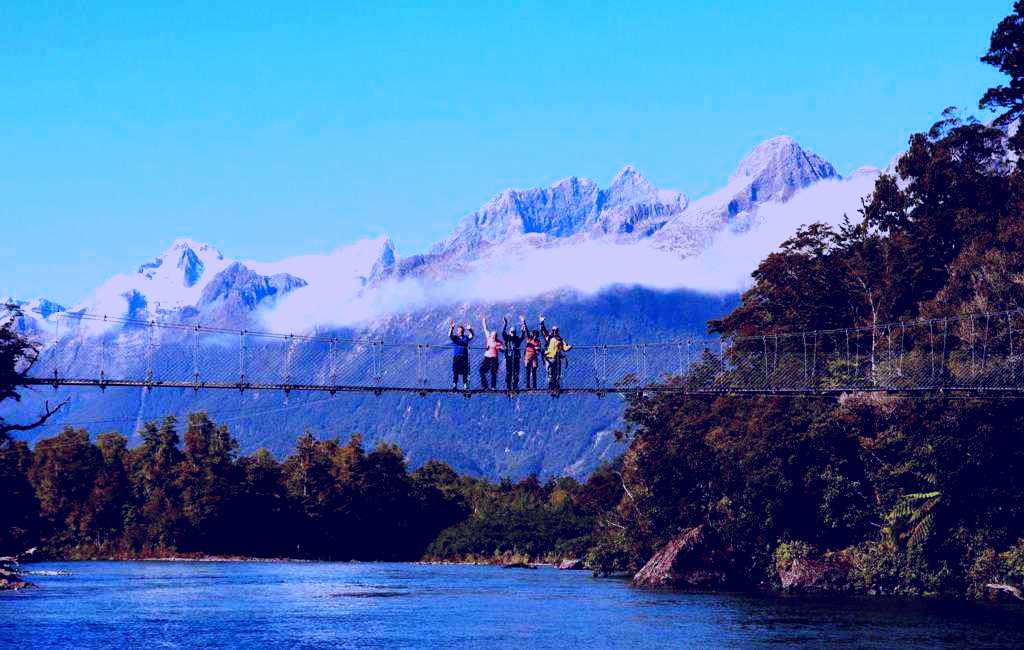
48,412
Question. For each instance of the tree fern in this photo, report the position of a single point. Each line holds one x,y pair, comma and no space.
913,517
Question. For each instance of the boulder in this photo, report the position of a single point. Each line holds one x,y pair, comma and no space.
11,579
828,572
10,572
694,558
574,564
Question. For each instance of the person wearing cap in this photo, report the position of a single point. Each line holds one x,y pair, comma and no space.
555,348
460,354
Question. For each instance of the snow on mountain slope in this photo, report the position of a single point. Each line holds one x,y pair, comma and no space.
569,209
632,206
772,172
174,279
35,314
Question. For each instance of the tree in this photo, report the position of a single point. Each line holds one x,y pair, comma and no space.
19,516
156,522
111,493
1006,53
209,481
265,525
17,356
310,476
63,472
386,515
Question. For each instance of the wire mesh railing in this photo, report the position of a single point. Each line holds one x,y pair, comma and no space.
971,352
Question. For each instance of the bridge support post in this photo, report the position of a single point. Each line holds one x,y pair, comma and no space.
332,362
943,367
1009,335
378,363
241,360
421,375
288,360
195,358
764,345
974,358
103,355
150,353
803,337
984,346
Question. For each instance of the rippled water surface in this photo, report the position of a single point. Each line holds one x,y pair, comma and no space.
228,604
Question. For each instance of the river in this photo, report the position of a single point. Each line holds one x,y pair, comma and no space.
229,604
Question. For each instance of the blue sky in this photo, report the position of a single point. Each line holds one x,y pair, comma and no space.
271,131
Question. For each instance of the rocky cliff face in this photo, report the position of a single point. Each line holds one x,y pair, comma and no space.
234,293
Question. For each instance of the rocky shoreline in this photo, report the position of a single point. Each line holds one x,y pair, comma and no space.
11,575
698,558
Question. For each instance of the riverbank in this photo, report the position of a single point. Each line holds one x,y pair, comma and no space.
681,567
511,561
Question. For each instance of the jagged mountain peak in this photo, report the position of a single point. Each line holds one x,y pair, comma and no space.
630,177
570,182
778,167
242,289
43,307
781,152
183,243
773,171
185,261
386,262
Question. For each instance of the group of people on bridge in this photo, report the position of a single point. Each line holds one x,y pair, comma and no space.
521,348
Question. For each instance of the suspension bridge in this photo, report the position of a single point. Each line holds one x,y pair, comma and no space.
973,353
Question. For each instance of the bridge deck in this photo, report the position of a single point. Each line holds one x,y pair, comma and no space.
103,384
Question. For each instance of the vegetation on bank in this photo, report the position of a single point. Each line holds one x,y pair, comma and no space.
193,494
878,494
869,493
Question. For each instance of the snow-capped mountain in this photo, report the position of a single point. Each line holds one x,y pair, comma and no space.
571,208
34,313
773,172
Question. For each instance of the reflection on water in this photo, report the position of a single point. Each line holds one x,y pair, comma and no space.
188,604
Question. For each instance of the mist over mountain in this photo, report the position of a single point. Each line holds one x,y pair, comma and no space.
626,262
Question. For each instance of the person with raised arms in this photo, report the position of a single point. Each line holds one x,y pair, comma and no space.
460,354
492,352
555,348
512,343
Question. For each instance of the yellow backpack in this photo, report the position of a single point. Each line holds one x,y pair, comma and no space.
554,346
